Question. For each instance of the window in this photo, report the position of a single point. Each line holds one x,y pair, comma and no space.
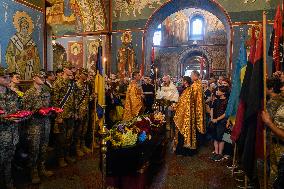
196,28
157,38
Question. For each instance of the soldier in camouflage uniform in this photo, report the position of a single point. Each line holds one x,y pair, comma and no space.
84,98
64,96
9,103
38,127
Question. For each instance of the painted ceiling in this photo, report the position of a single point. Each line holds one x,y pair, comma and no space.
77,16
124,10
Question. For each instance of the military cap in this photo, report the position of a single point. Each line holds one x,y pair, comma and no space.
3,71
68,65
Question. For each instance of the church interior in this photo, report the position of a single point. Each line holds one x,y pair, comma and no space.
127,94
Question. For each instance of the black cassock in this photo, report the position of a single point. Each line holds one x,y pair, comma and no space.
149,97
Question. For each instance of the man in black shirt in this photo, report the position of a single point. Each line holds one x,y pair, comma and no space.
149,94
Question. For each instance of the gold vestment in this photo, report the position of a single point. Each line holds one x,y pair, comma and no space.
190,114
133,101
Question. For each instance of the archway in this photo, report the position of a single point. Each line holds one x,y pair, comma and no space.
173,6
192,58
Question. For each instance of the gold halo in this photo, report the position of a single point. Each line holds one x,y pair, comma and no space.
23,15
128,34
75,45
93,46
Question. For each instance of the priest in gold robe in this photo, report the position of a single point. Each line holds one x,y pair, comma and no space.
190,116
133,102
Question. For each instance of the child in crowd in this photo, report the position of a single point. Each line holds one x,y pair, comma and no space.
219,121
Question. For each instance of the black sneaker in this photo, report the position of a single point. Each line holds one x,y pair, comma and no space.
213,156
218,157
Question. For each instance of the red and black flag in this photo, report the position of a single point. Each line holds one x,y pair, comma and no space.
250,134
276,42
244,90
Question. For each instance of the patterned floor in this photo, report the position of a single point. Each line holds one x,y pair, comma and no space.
197,172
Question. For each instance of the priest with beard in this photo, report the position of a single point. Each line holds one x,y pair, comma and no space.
190,116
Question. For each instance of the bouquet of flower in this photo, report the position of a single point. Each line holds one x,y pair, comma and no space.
129,138
18,116
138,129
46,111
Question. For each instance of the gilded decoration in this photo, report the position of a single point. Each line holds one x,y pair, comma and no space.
126,56
85,16
22,54
75,53
59,56
132,7
92,47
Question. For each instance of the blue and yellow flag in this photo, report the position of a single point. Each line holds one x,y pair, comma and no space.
233,102
100,86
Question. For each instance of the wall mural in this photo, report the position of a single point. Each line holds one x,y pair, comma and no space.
74,16
175,28
126,10
126,56
75,53
22,47
132,7
92,51
175,33
59,56
168,60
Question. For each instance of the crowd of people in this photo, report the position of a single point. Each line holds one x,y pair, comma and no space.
196,110
28,139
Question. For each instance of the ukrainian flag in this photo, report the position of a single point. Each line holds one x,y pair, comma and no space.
100,87
240,67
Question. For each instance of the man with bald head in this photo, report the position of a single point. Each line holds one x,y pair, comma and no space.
168,90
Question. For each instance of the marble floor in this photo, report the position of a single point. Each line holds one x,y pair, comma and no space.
177,172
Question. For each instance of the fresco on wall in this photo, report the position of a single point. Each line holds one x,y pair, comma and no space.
125,10
176,27
59,56
126,56
92,52
75,53
133,7
75,16
22,38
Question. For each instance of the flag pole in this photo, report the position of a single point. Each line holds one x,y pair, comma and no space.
94,124
264,95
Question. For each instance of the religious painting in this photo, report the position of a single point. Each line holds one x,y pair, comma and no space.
126,56
21,38
176,28
72,16
132,7
22,54
75,53
92,52
59,56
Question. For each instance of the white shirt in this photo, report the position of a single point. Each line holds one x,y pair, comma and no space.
168,93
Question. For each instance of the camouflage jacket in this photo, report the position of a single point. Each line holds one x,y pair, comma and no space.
84,97
9,103
60,89
34,100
